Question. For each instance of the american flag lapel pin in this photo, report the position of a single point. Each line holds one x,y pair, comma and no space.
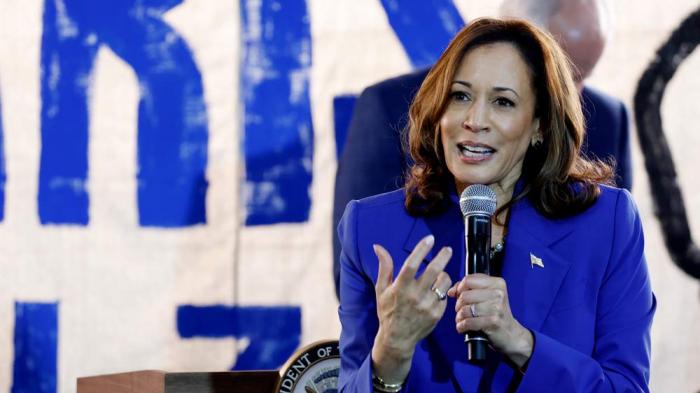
536,261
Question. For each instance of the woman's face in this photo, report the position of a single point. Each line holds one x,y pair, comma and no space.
489,121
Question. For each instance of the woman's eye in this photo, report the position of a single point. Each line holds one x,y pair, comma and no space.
459,96
504,102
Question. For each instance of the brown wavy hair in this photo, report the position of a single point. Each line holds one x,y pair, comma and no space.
556,178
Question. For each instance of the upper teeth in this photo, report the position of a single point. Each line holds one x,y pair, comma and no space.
476,149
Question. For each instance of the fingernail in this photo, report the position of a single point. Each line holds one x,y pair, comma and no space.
376,249
449,250
429,240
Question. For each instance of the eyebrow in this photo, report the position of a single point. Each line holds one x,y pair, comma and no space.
497,88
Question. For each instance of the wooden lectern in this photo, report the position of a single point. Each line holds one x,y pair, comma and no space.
314,367
164,382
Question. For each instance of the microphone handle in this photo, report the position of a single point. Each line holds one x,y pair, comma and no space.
478,239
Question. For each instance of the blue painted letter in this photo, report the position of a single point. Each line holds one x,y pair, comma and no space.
172,125
278,141
274,332
423,27
36,347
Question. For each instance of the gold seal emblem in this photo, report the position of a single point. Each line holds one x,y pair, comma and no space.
312,369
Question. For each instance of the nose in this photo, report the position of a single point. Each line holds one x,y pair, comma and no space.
475,118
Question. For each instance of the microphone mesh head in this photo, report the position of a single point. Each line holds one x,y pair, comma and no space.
477,199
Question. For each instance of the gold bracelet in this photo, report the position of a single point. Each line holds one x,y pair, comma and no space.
381,386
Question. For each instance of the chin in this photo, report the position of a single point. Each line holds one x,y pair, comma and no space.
469,180
472,174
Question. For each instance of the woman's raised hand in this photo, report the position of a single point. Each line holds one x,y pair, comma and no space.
408,308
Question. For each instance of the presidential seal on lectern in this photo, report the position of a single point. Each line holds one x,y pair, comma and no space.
312,369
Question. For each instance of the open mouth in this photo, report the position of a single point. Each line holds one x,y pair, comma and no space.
475,151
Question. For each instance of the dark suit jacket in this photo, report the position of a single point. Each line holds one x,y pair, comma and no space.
373,160
589,305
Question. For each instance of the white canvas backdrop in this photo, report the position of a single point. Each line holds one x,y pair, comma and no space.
118,284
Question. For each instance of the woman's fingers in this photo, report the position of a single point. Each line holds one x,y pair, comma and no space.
408,271
479,316
442,283
410,266
436,266
481,302
478,296
386,268
475,281
475,324
454,290
477,310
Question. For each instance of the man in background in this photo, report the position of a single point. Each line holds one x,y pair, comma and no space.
374,161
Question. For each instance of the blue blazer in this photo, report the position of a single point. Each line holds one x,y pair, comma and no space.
590,307
373,162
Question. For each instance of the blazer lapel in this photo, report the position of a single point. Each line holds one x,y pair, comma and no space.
533,270
448,230
418,231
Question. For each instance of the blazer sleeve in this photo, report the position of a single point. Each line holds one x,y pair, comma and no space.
357,313
619,361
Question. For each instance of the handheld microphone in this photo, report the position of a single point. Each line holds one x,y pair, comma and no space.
478,203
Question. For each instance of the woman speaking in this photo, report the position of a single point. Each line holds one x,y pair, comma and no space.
568,307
